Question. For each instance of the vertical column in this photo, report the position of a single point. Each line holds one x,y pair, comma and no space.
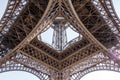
59,35
55,75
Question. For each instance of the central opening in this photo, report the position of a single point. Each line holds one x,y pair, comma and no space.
60,35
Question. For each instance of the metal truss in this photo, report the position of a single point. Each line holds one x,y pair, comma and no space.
24,20
103,63
22,63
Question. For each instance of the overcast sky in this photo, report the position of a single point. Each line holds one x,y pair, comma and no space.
3,4
98,75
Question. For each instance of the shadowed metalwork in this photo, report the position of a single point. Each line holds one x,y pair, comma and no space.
96,47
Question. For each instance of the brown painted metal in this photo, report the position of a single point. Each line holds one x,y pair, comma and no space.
20,49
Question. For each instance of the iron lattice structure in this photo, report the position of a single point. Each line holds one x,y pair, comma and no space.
24,20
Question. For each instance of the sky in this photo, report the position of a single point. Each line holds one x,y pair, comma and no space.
102,75
17,75
3,4
97,75
116,4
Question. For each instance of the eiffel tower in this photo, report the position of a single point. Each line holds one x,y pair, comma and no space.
95,48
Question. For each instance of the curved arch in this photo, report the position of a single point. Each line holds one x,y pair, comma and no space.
112,40
81,27
34,31
108,65
12,7
109,7
19,67
106,9
12,11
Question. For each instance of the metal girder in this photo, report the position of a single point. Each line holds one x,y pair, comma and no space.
90,18
20,62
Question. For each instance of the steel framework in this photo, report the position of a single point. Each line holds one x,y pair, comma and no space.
24,20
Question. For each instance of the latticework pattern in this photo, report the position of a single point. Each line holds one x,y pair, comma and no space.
24,20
